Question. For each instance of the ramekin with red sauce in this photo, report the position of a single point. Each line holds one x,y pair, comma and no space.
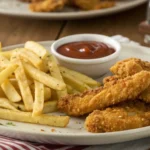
91,54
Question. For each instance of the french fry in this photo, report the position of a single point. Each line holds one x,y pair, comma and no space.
55,72
38,98
14,82
7,72
80,76
31,57
20,106
50,106
71,90
9,53
54,94
2,94
78,85
4,103
57,121
24,86
44,78
47,93
10,91
36,48
4,62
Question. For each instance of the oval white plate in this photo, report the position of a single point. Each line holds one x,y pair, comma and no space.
16,8
74,133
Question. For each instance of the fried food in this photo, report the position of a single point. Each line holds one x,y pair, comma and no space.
126,68
145,95
129,67
111,80
125,89
47,5
128,115
78,104
93,4
128,88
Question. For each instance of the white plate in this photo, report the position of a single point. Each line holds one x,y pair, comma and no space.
74,133
16,8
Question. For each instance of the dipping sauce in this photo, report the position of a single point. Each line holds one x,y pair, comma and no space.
85,50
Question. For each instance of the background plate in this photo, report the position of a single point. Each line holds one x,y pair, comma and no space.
16,8
74,133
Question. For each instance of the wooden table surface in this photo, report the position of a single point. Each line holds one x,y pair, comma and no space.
15,30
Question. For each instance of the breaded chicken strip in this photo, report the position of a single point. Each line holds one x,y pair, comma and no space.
77,104
111,80
128,88
47,5
126,68
129,115
129,67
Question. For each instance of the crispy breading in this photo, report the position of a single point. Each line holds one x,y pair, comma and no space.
125,89
126,68
129,67
77,104
145,95
128,88
47,5
128,115
111,80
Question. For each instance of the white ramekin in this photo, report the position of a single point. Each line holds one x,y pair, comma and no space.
91,67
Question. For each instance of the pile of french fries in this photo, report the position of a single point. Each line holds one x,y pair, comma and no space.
32,82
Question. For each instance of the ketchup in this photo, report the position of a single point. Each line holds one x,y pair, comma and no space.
85,50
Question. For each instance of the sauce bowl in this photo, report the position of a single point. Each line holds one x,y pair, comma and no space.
92,67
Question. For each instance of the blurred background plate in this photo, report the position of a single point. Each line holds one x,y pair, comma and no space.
17,8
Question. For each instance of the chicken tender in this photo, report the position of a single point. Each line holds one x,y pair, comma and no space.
128,115
77,104
111,80
125,89
126,68
128,88
47,5
129,67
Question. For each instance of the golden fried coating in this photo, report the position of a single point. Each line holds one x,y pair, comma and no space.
110,80
128,88
145,95
77,104
93,4
125,89
129,115
126,68
47,5
129,67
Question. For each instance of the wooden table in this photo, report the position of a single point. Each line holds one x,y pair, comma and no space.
15,30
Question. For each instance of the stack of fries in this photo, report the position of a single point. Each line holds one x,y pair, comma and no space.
32,82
